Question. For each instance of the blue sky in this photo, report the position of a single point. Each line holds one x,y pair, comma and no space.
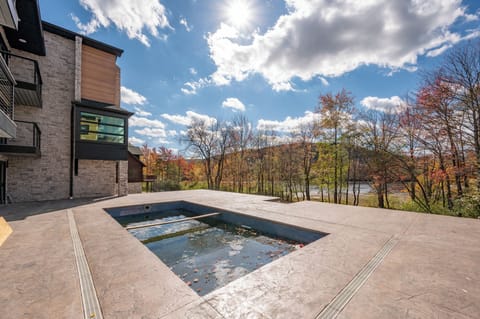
266,59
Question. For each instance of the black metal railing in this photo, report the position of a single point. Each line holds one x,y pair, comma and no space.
7,84
27,141
26,72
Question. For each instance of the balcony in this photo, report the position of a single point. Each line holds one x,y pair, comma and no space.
26,72
26,143
7,84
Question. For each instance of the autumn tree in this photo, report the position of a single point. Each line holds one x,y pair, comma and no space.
335,112
379,130
461,70
306,135
241,137
209,140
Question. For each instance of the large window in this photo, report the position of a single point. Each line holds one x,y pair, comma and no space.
102,128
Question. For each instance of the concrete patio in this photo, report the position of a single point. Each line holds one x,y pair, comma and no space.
431,271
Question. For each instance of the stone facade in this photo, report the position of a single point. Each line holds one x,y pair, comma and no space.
95,178
122,178
48,177
134,188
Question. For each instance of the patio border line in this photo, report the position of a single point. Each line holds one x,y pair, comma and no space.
91,305
333,309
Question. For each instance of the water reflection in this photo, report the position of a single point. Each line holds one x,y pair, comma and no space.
213,256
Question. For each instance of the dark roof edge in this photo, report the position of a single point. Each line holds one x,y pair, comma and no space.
103,107
52,28
137,159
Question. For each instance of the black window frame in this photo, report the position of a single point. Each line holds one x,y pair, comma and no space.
99,150
99,132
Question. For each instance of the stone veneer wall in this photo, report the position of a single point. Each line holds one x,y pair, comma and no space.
98,178
95,178
48,177
134,188
122,178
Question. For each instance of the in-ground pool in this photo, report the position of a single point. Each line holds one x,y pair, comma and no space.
209,252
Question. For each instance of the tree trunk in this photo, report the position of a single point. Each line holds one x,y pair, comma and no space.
379,190
307,187
335,178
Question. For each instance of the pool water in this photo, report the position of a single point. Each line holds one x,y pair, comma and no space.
207,254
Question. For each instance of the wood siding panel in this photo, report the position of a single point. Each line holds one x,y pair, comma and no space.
135,170
100,76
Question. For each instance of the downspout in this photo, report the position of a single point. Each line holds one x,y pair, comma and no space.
77,98
72,148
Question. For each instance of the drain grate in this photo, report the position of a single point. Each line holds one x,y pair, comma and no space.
91,306
346,294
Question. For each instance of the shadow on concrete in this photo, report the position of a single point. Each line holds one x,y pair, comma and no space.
19,211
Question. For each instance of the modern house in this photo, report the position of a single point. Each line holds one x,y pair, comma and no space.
62,131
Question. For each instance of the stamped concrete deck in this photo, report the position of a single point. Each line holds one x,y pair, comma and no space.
433,270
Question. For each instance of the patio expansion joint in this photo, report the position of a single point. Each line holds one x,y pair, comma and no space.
91,305
338,303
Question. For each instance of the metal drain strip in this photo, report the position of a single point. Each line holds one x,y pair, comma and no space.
346,294
91,306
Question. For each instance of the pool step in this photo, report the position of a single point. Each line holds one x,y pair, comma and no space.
91,306
172,221
175,234
5,230
333,309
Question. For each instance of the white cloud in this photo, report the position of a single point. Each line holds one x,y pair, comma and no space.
289,124
129,96
472,17
152,132
234,103
393,104
191,88
135,18
324,81
189,118
184,22
331,37
136,141
192,71
136,121
172,133
140,112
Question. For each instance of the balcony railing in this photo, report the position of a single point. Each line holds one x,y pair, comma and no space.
7,84
27,141
26,72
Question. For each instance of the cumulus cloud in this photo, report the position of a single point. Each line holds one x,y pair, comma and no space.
324,81
135,18
184,22
192,71
331,37
189,117
289,124
140,112
392,104
191,88
136,121
136,141
129,96
152,132
234,104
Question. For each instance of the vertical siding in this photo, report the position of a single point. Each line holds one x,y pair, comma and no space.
100,76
